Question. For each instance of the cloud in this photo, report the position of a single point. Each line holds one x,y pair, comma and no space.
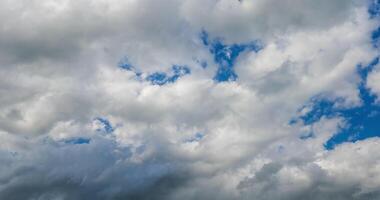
130,100
244,20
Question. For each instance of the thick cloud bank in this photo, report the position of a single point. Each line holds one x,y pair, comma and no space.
189,99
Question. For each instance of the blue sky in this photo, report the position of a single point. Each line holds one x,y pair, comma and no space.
361,122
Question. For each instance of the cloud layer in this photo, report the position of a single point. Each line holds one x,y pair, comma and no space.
187,99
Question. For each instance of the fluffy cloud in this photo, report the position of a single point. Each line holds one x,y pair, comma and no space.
374,81
76,125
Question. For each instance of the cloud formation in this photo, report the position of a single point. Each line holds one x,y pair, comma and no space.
187,99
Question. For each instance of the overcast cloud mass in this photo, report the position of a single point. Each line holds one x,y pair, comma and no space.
189,99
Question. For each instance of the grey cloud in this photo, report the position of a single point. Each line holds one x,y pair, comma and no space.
58,72
247,20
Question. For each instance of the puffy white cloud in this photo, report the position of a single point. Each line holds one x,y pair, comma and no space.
373,81
192,138
349,172
247,20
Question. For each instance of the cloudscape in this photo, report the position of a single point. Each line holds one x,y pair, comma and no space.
189,99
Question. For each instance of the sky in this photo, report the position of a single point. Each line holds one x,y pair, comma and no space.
189,99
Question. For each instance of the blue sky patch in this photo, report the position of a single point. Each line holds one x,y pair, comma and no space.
362,122
79,140
197,137
162,78
106,125
125,64
374,8
375,38
225,55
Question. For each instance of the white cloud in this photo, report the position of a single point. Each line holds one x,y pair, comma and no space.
373,81
193,138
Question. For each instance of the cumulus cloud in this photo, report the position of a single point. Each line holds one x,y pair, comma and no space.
121,100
